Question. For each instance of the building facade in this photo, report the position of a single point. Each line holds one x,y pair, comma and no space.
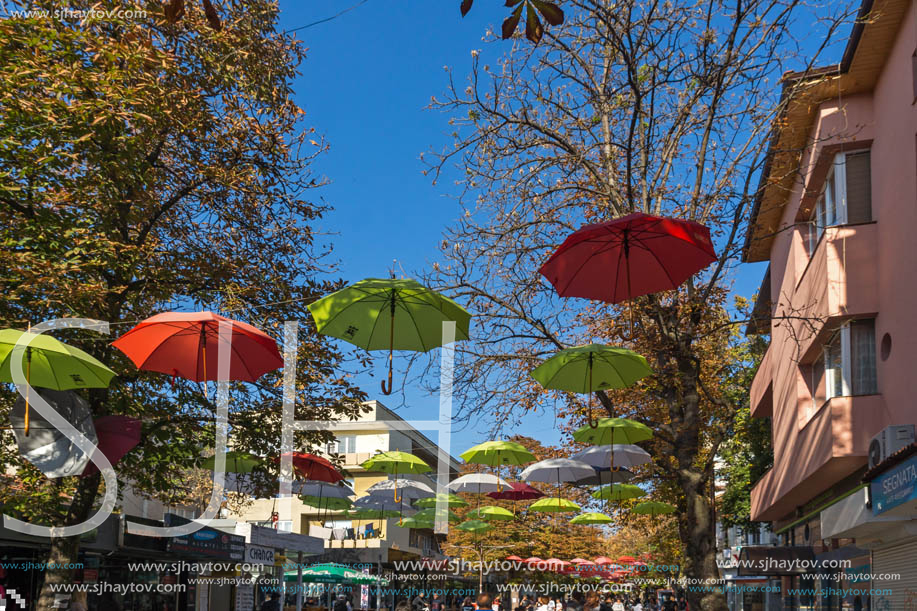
835,218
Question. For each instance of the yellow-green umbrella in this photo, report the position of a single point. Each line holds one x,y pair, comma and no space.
498,453
389,314
429,515
396,462
449,499
475,526
554,505
618,492
592,518
490,513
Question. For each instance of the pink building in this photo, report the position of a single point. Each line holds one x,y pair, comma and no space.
837,219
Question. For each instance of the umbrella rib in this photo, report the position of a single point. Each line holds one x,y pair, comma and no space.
661,266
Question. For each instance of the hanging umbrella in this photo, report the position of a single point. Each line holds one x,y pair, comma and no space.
325,497
414,522
380,503
554,505
316,468
429,515
591,518
477,483
517,491
326,503
395,462
604,476
236,462
653,508
381,314
475,526
47,448
449,499
117,435
497,453
369,513
49,363
613,431
186,344
625,455
634,255
586,369
556,470
618,492
409,488
490,513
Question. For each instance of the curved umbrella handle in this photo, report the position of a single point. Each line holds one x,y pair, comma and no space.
397,499
388,390
391,347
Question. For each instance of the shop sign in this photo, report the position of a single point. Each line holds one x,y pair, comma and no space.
207,542
258,554
895,487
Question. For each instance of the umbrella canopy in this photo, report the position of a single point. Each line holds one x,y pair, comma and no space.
389,314
591,518
605,476
117,435
414,522
326,502
533,560
429,515
627,560
316,468
497,453
625,455
634,255
46,447
611,431
517,491
395,462
618,492
322,489
653,508
334,573
602,560
475,526
49,363
409,488
556,470
369,513
592,367
514,558
554,505
236,462
491,513
187,344
581,560
477,483
451,500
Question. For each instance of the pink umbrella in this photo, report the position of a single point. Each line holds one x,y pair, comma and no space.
604,560
118,435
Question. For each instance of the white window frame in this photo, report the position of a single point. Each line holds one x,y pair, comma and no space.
836,178
843,335
334,447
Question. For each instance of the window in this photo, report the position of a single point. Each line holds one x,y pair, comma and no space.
345,444
846,196
848,363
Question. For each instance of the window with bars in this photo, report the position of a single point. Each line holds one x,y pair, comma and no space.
846,196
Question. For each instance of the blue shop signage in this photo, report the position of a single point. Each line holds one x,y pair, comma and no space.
895,487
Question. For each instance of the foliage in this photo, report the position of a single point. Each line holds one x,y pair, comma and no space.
147,165
534,29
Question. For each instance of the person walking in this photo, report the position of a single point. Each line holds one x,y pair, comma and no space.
272,604
467,605
544,604
618,605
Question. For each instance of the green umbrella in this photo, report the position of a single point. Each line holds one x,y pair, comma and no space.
592,518
50,363
497,453
553,505
490,513
612,431
654,508
396,462
414,522
389,314
475,526
334,573
236,462
327,503
429,515
586,369
618,492
451,500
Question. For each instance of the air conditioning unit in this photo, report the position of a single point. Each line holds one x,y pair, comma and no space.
888,441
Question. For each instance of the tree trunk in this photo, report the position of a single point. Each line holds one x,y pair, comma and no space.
698,535
65,550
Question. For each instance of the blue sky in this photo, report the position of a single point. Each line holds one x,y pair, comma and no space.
367,79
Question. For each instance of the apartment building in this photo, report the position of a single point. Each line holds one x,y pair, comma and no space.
372,542
835,218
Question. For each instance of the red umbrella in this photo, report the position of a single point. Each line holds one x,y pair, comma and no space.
634,255
316,468
533,560
517,491
626,560
187,344
581,561
514,558
117,435
604,560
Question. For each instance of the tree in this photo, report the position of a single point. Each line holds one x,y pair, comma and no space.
628,106
150,164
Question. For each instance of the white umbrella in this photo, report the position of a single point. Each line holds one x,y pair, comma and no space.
382,503
556,470
46,447
413,490
625,455
478,483
322,490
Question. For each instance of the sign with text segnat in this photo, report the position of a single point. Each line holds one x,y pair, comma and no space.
895,487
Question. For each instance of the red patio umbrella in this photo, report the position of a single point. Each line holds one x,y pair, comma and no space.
634,255
315,468
626,560
533,560
117,435
581,561
186,344
514,558
604,560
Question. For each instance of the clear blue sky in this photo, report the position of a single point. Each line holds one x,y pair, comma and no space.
367,79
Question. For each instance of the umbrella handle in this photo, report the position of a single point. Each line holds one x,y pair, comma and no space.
391,347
